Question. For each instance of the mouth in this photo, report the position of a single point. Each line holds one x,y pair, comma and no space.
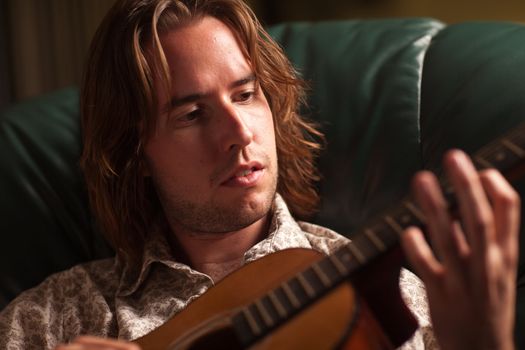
246,175
245,172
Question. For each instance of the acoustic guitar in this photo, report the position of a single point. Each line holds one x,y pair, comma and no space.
301,299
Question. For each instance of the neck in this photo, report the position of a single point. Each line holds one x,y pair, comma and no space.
205,249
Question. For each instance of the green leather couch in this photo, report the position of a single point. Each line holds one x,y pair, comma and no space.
391,95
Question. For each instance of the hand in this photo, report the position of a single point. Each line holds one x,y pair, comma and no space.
470,275
96,343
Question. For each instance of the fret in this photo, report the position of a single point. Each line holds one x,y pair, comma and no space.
385,234
502,159
338,264
517,137
321,275
414,210
329,270
484,163
345,256
291,296
284,300
500,156
251,321
375,240
363,244
277,304
405,219
393,224
314,280
306,286
264,313
356,253
242,328
511,146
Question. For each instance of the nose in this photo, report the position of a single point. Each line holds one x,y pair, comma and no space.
235,128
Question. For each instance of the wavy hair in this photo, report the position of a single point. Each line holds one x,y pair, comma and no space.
118,109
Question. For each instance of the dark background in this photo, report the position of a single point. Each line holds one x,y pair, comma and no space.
43,42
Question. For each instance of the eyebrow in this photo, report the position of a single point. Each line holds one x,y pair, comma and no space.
179,101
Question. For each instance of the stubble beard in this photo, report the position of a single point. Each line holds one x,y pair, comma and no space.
214,217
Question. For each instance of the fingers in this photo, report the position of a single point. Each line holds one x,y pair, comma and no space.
474,207
447,240
489,209
475,273
506,206
420,256
96,343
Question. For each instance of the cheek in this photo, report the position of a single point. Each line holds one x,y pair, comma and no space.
167,159
265,125
269,135
178,175
270,132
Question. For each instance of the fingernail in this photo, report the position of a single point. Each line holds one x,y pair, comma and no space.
458,158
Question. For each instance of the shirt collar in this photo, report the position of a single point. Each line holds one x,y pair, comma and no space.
156,250
284,233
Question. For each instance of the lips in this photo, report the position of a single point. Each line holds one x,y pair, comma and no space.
245,175
245,172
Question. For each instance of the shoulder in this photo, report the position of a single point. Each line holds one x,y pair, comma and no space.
67,284
99,276
52,311
322,238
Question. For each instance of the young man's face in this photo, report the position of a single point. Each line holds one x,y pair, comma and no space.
213,156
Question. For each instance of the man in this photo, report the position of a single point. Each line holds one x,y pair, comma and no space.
194,158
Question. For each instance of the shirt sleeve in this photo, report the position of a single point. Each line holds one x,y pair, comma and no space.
62,307
414,295
29,322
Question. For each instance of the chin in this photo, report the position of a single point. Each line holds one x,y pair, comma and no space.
248,213
221,217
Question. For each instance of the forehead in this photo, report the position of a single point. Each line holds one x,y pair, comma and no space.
203,46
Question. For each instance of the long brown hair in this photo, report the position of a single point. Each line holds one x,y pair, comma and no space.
118,109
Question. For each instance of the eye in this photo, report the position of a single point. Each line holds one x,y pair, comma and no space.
186,119
191,116
245,96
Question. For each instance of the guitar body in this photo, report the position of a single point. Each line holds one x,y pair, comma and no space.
338,320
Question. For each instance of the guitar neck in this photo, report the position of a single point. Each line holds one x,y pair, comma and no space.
505,154
254,321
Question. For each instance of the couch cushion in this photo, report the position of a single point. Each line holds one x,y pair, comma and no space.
365,91
45,217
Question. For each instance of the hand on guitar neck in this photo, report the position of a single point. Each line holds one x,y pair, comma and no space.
470,274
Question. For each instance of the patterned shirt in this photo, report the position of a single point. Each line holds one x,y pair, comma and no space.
111,299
